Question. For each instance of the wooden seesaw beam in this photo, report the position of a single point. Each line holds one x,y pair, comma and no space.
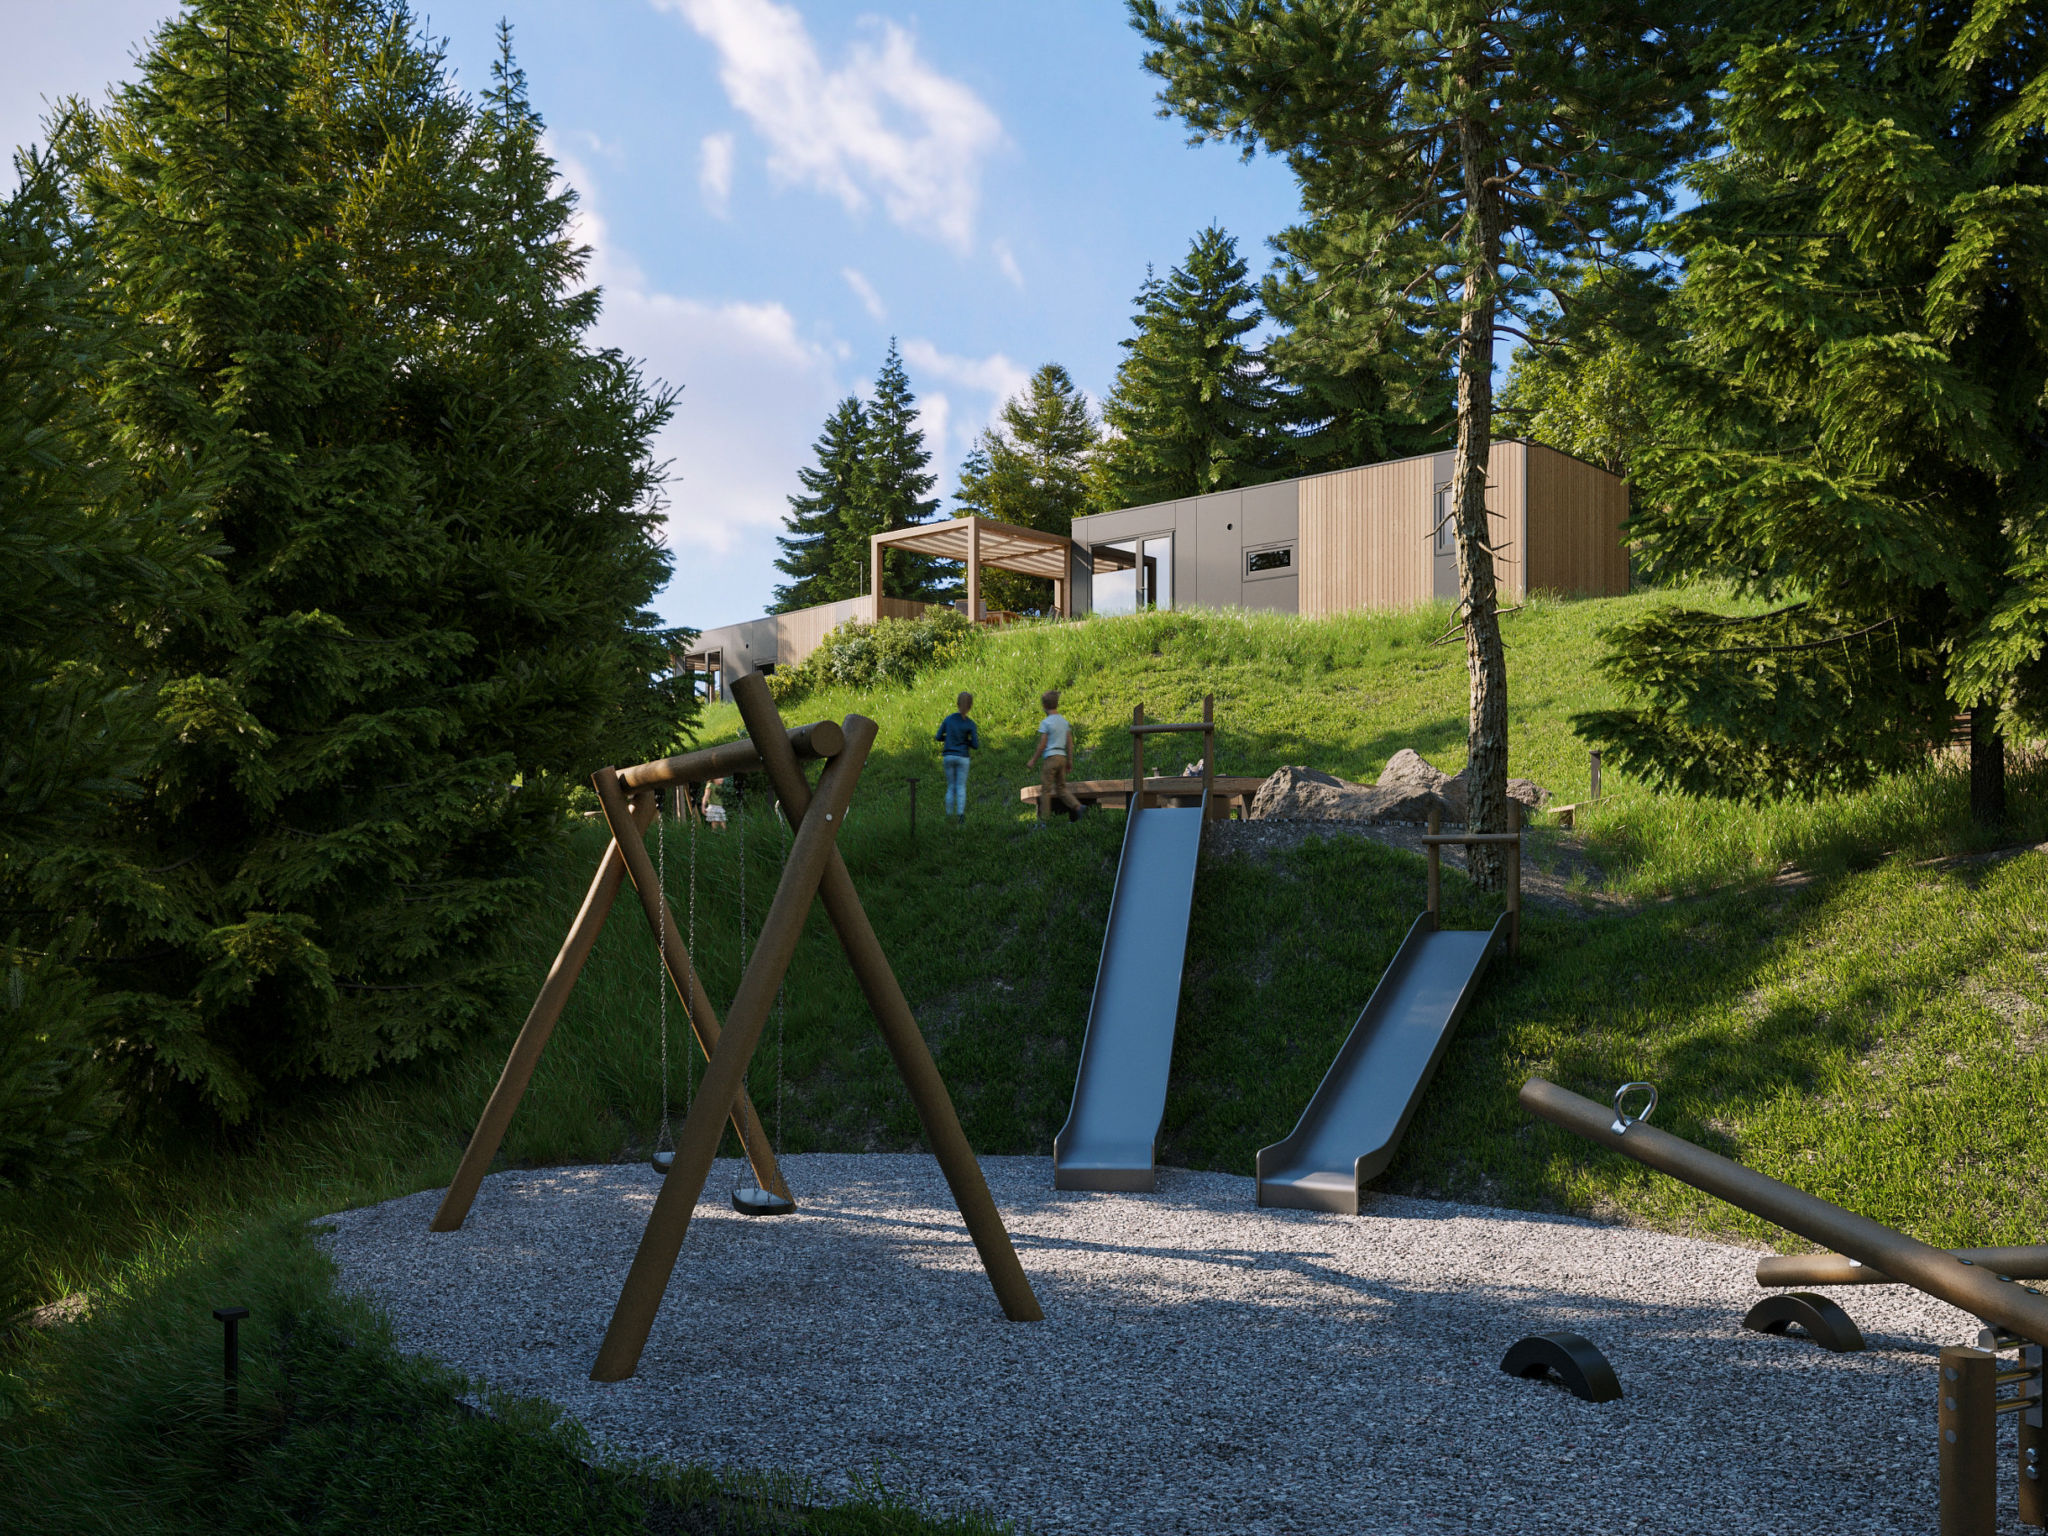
1979,1292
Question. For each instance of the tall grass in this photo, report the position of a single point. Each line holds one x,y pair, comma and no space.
1343,694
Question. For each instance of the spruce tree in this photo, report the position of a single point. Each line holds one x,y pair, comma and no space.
895,492
818,522
1189,411
1853,426
1032,469
1344,393
1453,159
356,310
91,571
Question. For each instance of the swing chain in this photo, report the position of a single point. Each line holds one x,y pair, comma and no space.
779,990
664,1138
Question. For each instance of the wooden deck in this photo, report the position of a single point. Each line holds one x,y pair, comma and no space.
1228,794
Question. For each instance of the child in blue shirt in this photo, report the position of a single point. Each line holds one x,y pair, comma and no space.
957,737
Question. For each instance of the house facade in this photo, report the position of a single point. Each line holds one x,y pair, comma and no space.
1375,536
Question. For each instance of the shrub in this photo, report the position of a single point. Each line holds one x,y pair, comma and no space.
861,656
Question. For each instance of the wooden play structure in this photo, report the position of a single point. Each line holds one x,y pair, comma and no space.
1975,1386
1208,788
812,871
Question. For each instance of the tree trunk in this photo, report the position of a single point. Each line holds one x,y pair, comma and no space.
1486,771
1987,766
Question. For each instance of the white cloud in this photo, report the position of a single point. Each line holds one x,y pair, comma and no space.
864,290
714,171
1006,263
884,124
994,377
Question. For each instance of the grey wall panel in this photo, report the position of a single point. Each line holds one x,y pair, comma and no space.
1126,523
1080,578
1271,513
1210,561
1278,594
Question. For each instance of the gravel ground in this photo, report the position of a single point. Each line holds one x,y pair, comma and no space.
1203,1366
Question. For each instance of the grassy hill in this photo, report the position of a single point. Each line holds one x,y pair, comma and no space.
1851,994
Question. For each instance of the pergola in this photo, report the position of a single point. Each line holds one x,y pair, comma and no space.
981,541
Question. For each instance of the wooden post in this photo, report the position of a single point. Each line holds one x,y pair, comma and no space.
682,975
2032,1442
874,577
1436,864
540,1022
1059,598
974,570
1967,1418
1208,749
1137,759
655,1260
1515,879
1595,764
905,1041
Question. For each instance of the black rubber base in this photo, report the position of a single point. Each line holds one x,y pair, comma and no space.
1571,1358
1824,1322
760,1202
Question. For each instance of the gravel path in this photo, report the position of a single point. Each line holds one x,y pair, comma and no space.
1204,1365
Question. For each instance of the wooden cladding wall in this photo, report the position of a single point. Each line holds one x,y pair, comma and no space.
1574,526
1365,533
799,633
1507,529
1364,537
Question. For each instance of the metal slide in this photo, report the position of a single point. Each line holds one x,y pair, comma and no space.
1120,1091
1352,1126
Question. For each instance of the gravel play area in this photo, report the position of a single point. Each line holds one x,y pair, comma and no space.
1204,1366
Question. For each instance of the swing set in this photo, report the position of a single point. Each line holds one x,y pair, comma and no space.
812,871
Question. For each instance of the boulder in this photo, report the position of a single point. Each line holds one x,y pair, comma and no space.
1410,770
1408,789
1305,794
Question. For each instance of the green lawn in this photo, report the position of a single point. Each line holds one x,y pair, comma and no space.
1873,1026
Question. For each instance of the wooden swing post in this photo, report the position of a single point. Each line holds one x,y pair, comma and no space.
682,975
898,1024
697,1144
540,1024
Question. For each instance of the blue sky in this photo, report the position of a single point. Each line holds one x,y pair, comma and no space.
773,190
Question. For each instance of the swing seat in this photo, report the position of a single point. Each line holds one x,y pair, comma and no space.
754,1201
663,1160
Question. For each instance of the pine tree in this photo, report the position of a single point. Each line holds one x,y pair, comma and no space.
1345,393
1855,426
1032,469
1453,158
895,492
818,521
1189,411
355,309
91,570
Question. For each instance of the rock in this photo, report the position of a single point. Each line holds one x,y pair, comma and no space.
1305,794
1410,770
1408,789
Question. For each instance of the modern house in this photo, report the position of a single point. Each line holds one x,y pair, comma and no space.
1376,536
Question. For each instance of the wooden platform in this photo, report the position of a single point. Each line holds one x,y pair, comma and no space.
1228,793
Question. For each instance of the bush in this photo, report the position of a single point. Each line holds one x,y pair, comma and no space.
861,656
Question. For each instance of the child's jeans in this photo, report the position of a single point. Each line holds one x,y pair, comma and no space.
956,786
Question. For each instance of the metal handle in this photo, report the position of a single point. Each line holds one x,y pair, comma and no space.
1622,1118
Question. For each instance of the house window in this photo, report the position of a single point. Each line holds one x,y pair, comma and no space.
1446,535
1273,560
